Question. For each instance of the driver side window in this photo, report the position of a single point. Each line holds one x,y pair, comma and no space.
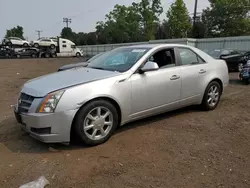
164,58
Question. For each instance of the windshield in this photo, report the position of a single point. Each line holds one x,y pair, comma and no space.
95,56
120,59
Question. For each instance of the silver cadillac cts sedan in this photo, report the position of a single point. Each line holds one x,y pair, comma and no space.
120,86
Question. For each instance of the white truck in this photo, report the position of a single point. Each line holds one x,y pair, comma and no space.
64,48
57,47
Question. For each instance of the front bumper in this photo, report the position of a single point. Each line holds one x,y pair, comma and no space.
48,128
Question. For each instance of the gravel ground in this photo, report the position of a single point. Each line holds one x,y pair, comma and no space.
184,148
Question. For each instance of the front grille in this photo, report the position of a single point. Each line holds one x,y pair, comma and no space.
24,103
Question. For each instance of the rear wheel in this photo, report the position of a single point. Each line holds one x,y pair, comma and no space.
212,96
46,55
36,45
54,55
52,46
96,122
9,44
240,67
6,55
246,81
33,55
78,54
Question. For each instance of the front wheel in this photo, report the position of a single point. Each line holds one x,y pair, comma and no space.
96,122
212,96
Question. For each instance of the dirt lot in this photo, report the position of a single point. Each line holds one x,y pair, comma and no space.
185,148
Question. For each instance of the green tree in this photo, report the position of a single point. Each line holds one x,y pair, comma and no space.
179,23
198,30
67,33
227,18
122,24
162,30
150,10
15,32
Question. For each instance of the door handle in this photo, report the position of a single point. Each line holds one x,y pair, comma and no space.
202,71
174,77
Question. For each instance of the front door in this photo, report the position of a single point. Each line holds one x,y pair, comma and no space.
156,91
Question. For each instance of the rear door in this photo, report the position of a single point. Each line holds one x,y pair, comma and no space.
193,76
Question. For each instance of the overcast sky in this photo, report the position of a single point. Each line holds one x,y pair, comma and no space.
47,15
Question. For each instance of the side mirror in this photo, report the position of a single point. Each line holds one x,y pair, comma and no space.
149,66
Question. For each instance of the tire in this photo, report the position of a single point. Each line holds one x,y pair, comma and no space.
52,46
240,67
7,56
211,105
33,55
9,44
246,81
25,45
54,55
82,121
46,55
36,45
78,54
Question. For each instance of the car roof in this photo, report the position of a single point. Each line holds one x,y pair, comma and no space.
156,45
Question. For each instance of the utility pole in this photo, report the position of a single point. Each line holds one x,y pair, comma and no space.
195,15
39,33
67,21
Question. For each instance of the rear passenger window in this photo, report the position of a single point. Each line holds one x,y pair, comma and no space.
188,57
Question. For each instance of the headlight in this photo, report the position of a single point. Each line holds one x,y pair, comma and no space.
50,102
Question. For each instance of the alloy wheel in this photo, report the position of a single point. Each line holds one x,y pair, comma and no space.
213,96
98,123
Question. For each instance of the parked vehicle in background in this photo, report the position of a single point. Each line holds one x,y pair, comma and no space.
81,64
244,74
15,41
52,43
245,58
7,53
28,52
118,87
232,58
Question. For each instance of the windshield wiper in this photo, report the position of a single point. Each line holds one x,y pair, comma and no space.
96,68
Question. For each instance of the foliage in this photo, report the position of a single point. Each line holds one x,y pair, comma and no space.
15,32
140,22
227,18
179,23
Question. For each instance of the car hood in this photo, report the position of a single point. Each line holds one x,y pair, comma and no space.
73,65
41,86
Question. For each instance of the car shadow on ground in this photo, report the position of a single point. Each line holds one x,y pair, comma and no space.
17,141
235,82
